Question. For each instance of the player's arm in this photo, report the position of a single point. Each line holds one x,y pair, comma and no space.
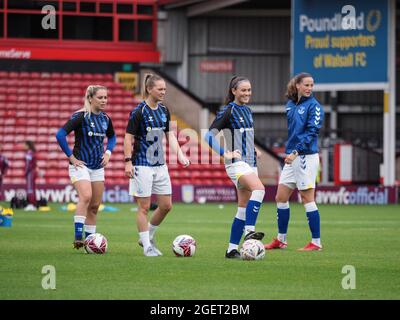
128,142
111,142
173,142
72,124
132,129
176,149
314,123
221,122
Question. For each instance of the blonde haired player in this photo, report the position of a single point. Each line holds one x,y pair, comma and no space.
145,166
305,116
88,159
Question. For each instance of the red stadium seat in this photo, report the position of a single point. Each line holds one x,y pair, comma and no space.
46,83
54,98
35,75
76,76
66,75
44,98
25,75
13,90
77,99
55,75
33,98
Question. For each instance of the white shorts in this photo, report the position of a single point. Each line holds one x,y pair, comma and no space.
84,173
150,180
238,169
302,173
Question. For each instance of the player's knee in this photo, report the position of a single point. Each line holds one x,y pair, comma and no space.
257,195
144,209
85,198
166,207
279,199
307,198
94,207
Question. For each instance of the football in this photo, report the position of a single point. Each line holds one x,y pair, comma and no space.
252,250
184,246
96,243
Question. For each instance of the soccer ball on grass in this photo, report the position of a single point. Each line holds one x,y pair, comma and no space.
252,250
96,243
184,246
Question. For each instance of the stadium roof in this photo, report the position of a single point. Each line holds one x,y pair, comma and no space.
199,7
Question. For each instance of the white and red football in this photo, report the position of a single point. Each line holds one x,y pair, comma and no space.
96,243
184,246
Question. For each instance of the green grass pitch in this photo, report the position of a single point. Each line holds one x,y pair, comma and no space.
366,237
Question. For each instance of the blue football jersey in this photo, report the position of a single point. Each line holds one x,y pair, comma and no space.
304,120
148,126
238,120
90,131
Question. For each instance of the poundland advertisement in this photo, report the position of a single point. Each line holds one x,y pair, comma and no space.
341,42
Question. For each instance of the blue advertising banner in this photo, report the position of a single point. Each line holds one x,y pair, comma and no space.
342,43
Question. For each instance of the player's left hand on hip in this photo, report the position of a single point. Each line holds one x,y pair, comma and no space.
105,160
289,159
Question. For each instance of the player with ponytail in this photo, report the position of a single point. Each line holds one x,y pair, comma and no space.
236,121
88,158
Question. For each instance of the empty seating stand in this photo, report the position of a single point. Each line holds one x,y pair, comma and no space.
34,105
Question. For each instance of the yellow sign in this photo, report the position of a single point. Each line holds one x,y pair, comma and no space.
130,80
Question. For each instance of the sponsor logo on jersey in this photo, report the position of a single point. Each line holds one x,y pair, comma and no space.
96,134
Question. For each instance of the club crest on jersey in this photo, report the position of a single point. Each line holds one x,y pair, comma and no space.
301,110
104,125
163,118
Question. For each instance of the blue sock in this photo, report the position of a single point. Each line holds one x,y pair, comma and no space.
78,230
313,219
236,231
253,207
79,221
283,216
314,223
